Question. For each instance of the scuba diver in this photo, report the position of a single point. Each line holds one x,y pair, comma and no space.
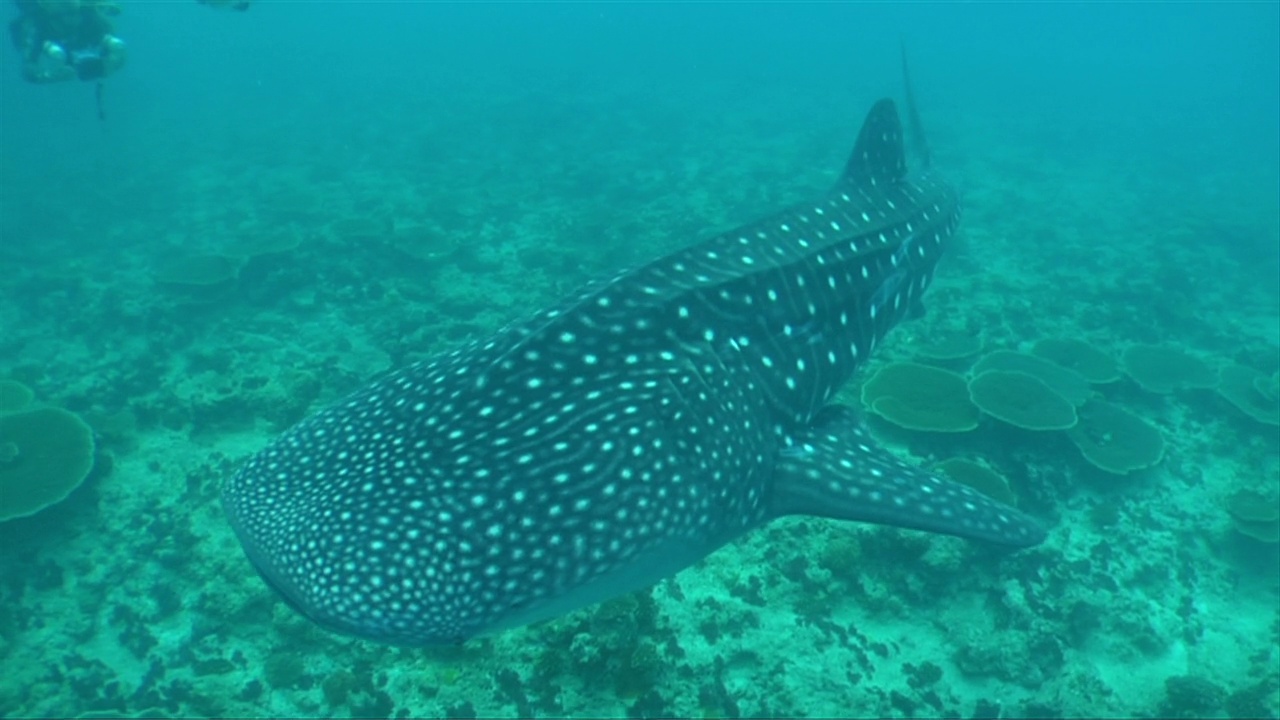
72,40
66,40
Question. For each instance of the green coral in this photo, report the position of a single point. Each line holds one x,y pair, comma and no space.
980,478
1255,515
1022,400
1065,382
266,242
117,715
1190,696
362,229
197,271
284,670
47,453
337,686
1166,368
1248,390
1115,439
1268,387
950,346
921,397
14,396
1079,356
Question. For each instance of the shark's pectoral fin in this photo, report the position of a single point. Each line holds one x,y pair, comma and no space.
835,470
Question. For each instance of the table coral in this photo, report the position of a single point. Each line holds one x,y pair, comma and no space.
1244,388
1165,368
950,346
1022,400
50,452
197,271
1066,382
1091,363
1115,439
14,396
1255,515
979,477
921,397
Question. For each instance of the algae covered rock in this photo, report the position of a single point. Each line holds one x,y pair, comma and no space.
1115,439
1022,400
1192,696
921,397
46,454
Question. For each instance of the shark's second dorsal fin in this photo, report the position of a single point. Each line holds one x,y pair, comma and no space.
878,157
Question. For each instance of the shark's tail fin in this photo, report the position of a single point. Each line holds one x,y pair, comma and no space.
914,127
879,154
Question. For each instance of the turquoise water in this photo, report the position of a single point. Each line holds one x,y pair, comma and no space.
284,203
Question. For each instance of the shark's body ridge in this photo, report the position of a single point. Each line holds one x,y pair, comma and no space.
612,440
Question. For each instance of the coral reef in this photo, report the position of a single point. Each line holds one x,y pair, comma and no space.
1251,392
979,477
950,346
1256,515
44,455
1021,400
14,396
1164,368
1079,356
1065,382
921,397
1190,696
338,245
1115,439
197,274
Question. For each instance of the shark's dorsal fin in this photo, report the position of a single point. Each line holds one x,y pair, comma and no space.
877,157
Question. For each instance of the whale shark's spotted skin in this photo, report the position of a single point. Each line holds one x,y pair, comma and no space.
621,436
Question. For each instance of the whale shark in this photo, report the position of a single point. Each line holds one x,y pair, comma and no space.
617,437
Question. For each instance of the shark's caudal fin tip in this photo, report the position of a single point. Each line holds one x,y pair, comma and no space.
837,471
914,126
